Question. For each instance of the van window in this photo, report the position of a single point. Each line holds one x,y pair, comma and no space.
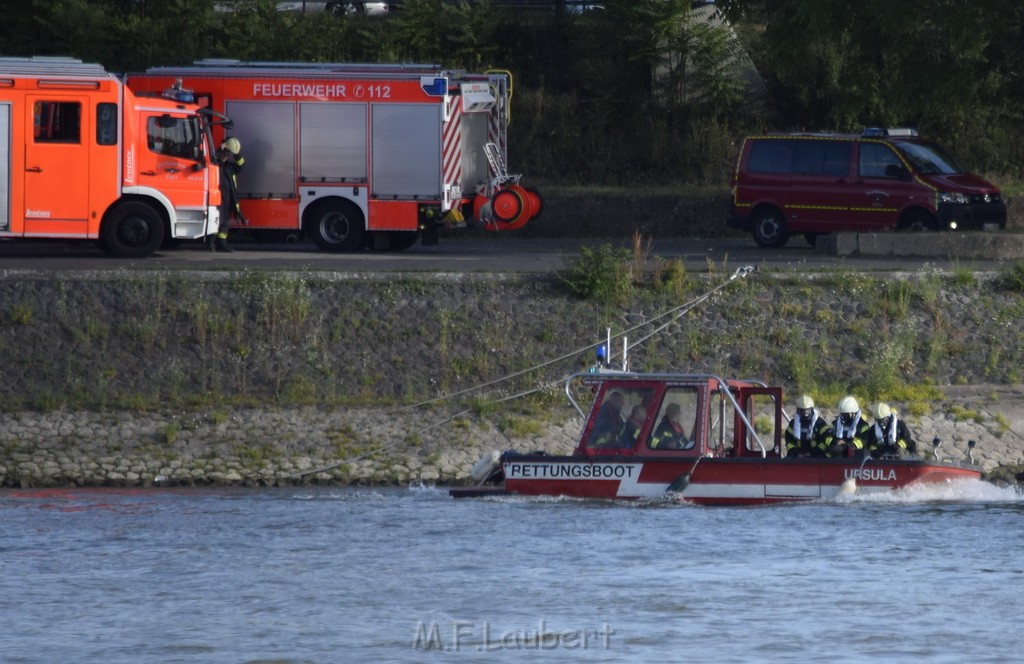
771,156
57,121
929,159
874,157
823,158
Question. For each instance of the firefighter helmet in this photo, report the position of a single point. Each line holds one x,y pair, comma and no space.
881,411
848,405
232,145
804,402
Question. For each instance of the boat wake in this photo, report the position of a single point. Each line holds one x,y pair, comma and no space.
958,491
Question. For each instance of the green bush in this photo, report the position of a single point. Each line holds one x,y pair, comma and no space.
1014,277
599,274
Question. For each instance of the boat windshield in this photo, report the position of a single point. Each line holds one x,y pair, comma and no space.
620,418
676,424
929,158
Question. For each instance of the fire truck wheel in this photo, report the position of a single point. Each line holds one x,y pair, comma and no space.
132,230
336,225
769,228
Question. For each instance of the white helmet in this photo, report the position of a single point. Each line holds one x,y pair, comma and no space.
804,401
881,411
848,405
232,145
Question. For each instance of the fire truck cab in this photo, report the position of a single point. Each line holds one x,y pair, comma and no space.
84,158
355,155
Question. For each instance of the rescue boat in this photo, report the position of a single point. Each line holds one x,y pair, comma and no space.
698,437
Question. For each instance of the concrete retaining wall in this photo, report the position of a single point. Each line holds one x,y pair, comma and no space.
967,246
569,213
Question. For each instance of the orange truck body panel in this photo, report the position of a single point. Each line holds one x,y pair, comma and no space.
398,148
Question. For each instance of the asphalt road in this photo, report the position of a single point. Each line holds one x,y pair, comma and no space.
471,254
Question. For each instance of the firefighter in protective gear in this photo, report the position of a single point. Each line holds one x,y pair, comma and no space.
631,429
849,431
230,160
808,434
889,437
670,434
608,423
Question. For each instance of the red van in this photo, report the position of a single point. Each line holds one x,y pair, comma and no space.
882,179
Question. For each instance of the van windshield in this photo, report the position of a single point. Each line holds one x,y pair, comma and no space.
928,158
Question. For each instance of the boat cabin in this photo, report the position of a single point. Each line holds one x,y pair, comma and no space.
680,415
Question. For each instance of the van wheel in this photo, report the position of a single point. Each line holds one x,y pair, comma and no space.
918,221
336,225
132,230
769,228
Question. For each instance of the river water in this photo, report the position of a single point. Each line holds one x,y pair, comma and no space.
411,575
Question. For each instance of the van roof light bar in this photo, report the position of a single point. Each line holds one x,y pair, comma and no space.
876,132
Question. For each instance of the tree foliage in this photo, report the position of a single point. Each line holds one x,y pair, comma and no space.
952,68
637,91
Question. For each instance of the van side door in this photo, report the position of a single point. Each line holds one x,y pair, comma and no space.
820,190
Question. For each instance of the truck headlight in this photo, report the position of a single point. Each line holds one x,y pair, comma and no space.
954,197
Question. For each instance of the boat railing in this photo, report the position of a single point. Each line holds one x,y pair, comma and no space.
723,388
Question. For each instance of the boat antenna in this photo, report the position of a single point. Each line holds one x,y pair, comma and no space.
625,358
607,346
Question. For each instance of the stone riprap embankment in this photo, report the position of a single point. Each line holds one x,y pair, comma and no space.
253,447
275,447
270,378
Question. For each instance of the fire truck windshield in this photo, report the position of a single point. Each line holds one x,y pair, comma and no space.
175,137
928,158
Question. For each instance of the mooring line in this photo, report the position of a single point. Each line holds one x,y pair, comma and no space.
679,311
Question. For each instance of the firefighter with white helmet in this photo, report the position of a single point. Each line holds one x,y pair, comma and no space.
889,437
230,160
808,434
849,430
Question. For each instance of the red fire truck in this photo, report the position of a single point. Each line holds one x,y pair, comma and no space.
84,158
356,155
